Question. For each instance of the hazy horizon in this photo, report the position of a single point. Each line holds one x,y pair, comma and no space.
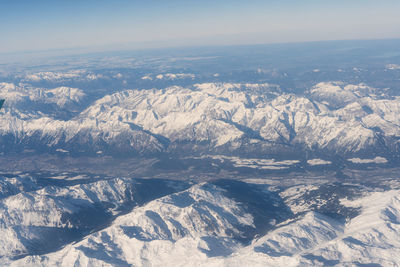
48,25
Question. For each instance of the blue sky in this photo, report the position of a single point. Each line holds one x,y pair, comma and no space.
52,24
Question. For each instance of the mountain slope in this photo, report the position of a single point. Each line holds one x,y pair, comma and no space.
219,225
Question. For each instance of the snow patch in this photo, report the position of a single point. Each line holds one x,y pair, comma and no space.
315,162
392,67
377,160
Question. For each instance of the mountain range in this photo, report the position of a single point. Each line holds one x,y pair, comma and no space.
217,118
75,220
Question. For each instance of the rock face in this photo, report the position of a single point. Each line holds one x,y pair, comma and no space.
217,118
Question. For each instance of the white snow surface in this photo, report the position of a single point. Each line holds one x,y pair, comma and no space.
377,160
62,76
29,213
189,229
265,164
24,95
315,162
338,117
169,76
393,67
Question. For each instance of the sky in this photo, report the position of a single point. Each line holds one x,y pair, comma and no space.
29,25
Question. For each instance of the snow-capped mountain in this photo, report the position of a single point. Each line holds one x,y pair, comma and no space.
61,76
25,102
212,117
217,223
36,217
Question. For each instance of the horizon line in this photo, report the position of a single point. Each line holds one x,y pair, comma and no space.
112,47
